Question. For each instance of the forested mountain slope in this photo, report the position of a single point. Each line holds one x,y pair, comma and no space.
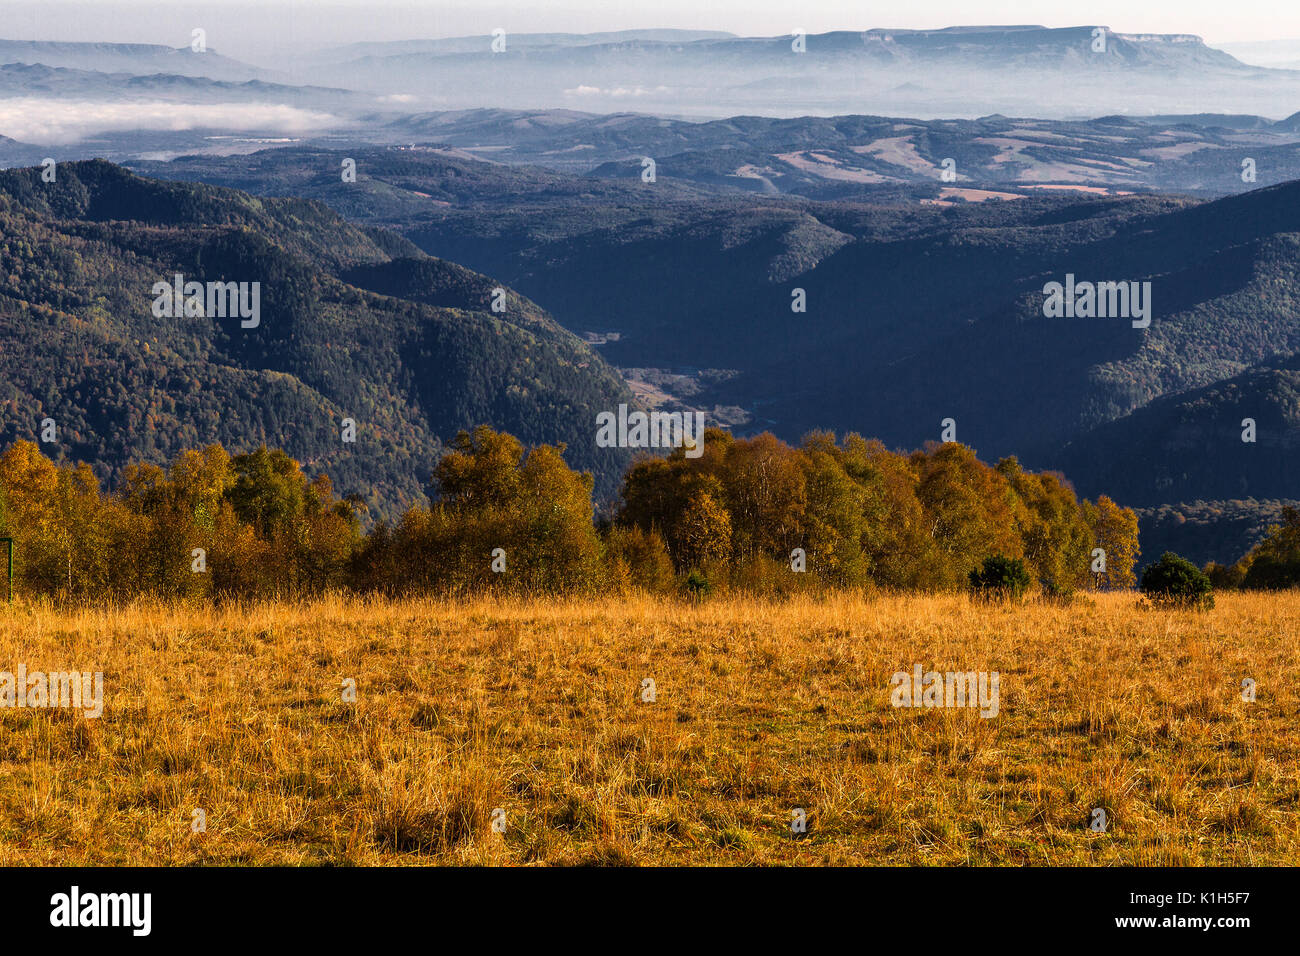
80,344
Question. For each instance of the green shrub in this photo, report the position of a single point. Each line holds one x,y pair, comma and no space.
1000,577
1176,582
697,585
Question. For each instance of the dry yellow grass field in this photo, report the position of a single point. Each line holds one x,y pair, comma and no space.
760,707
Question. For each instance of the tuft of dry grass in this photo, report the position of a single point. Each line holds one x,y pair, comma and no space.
530,713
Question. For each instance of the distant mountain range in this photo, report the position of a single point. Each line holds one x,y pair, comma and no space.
959,72
956,72
39,79
524,41
841,156
845,157
816,157
137,59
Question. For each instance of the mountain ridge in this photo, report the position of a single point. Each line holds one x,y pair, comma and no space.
82,348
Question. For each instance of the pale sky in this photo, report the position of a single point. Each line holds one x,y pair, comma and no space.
258,31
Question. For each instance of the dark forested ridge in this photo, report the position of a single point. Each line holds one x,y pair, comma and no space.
914,313
79,343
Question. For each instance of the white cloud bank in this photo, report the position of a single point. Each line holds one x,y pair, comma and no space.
59,121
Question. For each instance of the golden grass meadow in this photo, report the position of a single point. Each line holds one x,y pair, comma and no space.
535,708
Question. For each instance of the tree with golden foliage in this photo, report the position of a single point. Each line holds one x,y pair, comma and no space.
1115,531
702,535
496,508
508,519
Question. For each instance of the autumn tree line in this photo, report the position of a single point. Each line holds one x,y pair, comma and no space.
1271,565
754,514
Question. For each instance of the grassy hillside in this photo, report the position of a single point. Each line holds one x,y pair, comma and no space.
536,709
